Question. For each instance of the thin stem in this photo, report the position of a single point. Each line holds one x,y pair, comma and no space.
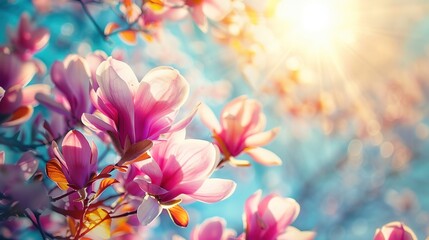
89,229
14,144
85,209
62,196
124,214
100,202
86,10
36,224
65,212
40,226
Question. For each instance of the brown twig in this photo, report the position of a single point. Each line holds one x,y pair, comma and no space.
124,214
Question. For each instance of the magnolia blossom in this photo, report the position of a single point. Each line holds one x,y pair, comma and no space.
134,111
213,9
28,40
76,162
212,229
270,218
395,231
72,79
179,169
241,130
17,100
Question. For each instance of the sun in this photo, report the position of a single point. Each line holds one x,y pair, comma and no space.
312,22
316,19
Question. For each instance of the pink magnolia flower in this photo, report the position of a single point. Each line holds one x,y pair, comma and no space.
213,9
72,79
395,231
241,130
212,229
17,100
135,111
28,40
270,218
75,164
179,169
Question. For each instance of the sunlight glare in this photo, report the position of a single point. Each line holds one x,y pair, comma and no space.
309,20
316,18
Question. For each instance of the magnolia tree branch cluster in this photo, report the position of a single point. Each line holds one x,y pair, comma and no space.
74,194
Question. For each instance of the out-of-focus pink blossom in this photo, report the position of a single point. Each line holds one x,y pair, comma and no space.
16,186
179,169
16,100
28,40
394,231
213,229
45,6
135,111
270,218
202,9
241,131
77,161
72,79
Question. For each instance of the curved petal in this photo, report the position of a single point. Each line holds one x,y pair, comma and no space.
94,158
30,92
182,124
53,105
96,124
264,156
208,118
20,72
199,17
77,154
58,154
161,92
146,185
261,139
249,217
151,169
216,9
77,74
40,39
293,233
277,213
148,210
58,77
117,83
94,60
21,115
193,160
233,107
214,190
210,229
115,69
